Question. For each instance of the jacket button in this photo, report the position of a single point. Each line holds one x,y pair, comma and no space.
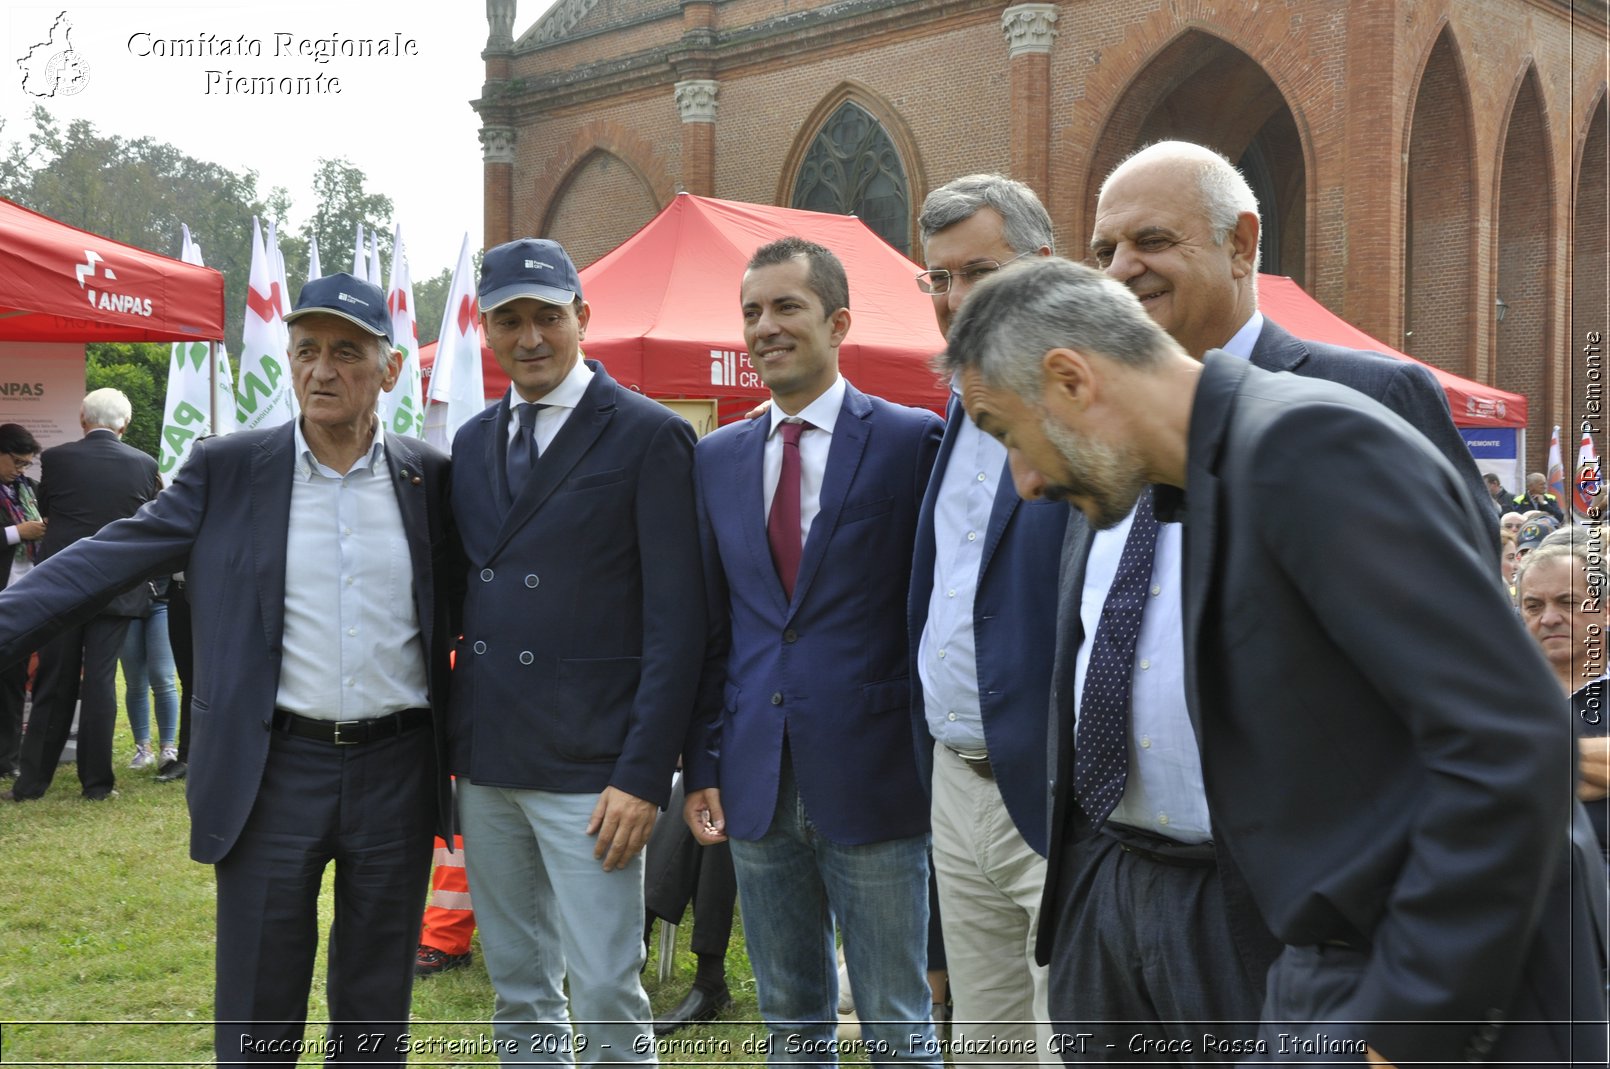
531,581
790,635
480,647
777,699
526,657
486,575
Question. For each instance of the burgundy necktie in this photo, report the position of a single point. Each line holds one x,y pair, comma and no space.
782,526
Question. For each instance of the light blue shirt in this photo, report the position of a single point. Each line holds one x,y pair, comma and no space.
947,655
1164,794
352,645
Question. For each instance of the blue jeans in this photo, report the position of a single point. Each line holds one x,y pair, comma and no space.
792,884
148,662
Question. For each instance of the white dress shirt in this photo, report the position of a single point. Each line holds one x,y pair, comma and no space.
947,655
823,415
561,402
352,645
1164,794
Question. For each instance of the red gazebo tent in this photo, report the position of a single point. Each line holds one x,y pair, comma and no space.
62,284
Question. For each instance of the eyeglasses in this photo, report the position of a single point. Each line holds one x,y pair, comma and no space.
21,463
937,282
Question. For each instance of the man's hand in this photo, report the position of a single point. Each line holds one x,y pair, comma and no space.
622,823
759,410
702,811
1595,765
31,530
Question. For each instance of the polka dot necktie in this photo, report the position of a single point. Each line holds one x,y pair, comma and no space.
522,460
782,526
1101,741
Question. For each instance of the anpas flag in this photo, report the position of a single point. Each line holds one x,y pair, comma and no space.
263,395
402,408
313,270
198,388
456,391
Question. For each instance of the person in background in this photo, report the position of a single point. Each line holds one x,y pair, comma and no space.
23,529
148,679
1537,496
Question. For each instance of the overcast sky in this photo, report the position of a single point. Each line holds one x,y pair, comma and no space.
405,121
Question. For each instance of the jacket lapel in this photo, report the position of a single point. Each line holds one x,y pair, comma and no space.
748,489
272,468
850,435
408,480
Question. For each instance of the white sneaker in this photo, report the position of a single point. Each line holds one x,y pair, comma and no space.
169,753
143,758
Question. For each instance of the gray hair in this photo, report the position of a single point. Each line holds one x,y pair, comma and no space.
1019,314
1221,188
107,408
1586,544
1027,224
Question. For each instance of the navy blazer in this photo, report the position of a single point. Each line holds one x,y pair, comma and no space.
1379,758
224,523
584,612
1014,635
1407,389
830,668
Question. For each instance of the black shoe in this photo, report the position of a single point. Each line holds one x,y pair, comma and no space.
13,796
172,770
428,961
699,1005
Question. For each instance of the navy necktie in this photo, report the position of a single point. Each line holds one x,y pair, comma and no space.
523,449
1101,741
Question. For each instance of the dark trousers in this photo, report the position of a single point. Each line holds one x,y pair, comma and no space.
677,869
184,658
369,809
90,649
1145,964
13,690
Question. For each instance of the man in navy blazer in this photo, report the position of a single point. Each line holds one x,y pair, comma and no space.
801,752
575,677
981,624
316,554
1178,225
1400,827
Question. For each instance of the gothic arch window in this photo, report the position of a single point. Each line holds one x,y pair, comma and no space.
852,168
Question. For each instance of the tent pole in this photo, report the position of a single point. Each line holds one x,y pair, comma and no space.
212,385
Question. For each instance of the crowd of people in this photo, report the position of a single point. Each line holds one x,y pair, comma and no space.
1189,771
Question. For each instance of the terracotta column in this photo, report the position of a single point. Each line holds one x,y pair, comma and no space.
1029,31
696,103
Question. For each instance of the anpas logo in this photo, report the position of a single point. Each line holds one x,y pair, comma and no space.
102,300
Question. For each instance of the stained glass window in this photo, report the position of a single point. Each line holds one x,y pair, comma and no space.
852,168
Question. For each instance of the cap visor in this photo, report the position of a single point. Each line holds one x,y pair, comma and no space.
292,316
546,294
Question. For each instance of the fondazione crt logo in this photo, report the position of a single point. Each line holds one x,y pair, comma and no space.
53,67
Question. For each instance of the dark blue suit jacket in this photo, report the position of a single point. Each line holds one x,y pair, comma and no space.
223,523
584,621
830,667
1014,632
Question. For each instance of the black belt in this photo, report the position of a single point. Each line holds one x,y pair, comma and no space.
1161,850
350,732
979,763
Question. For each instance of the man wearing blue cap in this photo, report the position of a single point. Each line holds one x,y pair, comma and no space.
315,557
584,631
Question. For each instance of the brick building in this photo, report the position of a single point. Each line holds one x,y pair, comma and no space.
1434,171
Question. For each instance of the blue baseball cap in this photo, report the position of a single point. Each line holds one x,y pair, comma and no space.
529,267
349,297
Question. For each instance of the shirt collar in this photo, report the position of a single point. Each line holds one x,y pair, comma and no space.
821,413
565,395
1242,341
307,463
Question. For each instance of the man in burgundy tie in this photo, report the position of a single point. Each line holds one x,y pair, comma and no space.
800,750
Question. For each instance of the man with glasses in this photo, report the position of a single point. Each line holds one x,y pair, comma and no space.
24,528
981,621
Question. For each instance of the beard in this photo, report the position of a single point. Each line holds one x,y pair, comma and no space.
1108,478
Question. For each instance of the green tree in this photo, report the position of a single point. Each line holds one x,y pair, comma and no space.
430,298
343,204
140,370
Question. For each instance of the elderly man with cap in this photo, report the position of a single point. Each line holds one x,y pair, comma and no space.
316,555
584,635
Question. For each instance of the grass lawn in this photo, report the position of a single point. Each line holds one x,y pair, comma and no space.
106,935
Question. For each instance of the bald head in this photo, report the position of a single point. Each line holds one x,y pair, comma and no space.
1178,225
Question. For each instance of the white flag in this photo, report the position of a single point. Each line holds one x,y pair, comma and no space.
360,256
263,396
402,409
188,412
313,270
376,276
456,390
277,259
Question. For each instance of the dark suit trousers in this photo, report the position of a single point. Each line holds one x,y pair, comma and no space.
676,869
13,689
369,809
184,658
91,649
